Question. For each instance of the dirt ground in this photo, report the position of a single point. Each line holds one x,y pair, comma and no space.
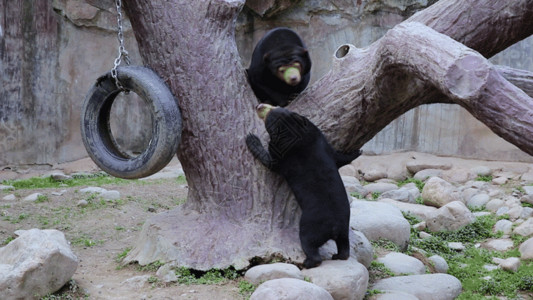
101,231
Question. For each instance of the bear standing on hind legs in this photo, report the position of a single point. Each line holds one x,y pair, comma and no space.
280,67
301,154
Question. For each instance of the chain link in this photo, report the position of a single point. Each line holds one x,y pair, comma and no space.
122,53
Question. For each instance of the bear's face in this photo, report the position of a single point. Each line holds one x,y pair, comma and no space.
287,130
286,64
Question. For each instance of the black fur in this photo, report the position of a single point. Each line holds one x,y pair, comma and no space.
279,47
300,153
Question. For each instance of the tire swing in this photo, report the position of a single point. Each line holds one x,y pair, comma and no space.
95,118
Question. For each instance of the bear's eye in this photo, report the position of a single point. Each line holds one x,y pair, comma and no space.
282,69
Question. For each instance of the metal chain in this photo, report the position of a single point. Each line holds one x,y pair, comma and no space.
122,53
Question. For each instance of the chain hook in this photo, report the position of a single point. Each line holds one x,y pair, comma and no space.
122,53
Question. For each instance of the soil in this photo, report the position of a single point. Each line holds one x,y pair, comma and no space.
101,231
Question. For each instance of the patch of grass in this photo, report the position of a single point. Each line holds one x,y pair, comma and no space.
16,220
214,276
41,199
487,178
48,182
377,271
419,200
246,289
479,230
419,183
151,267
86,241
375,195
7,240
122,254
370,293
385,244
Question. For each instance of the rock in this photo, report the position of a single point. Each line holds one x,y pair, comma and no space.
37,263
526,249
451,216
10,197
498,244
136,282
343,279
377,220
60,176
440,264
494,204
82,203
481,171
33,197
528,189
478,201
93,190
424,235
427,173
400,263
416,166
457,246
527,212
268,8
374,174
289,289
515,212
527,177
393,295
421,211
527,199
360,248
505,226
166,273
6,187
525,229
110,195
407,193
457,175
510,264
426,286
352,185
59,193
438,192
499,180
262,273
348,170
380,187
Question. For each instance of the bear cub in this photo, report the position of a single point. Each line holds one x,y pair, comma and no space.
280,67
301,154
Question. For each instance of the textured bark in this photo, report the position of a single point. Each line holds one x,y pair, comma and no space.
236,209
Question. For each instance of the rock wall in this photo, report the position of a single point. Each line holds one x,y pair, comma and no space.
53,51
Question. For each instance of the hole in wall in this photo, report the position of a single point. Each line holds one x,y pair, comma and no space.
342,51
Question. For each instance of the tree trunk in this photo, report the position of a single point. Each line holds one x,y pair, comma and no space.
237,209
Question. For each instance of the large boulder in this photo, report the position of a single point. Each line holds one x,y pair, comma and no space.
289,289
451,216
37,263
427,286
438,192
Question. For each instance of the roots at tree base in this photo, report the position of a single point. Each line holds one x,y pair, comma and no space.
208,241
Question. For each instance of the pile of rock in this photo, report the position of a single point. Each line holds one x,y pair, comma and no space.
450,192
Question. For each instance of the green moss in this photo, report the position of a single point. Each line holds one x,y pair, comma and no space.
419,183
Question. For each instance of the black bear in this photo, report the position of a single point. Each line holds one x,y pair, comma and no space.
301,154
280,67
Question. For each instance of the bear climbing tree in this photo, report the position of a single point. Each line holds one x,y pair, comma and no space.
236,208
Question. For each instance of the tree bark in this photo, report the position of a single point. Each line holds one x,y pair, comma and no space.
236,209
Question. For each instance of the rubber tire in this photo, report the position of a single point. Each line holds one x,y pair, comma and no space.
166,123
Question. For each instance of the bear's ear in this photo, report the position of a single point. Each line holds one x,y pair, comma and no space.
266,57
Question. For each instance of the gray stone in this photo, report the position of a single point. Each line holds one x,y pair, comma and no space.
93,190
343,279
498,244
527,199
37,263
438,192
166,273
60,176
527,177
505,226
262,273
6,187
502,211
451,216
510,264
401,264
393,295
10,197
527,212
348,170
424,235
110,195
481,170
427,286
457,175
528,189
352,185
440,264
525,229
82,203
33,197
377,220
289,289
402,194
457,246
137,282
499,180
494,204
478,201
380,187
526,249
421,211
416,166
427,173
360,248
515,212
374,174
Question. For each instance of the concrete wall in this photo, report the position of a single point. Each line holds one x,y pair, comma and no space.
53,51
